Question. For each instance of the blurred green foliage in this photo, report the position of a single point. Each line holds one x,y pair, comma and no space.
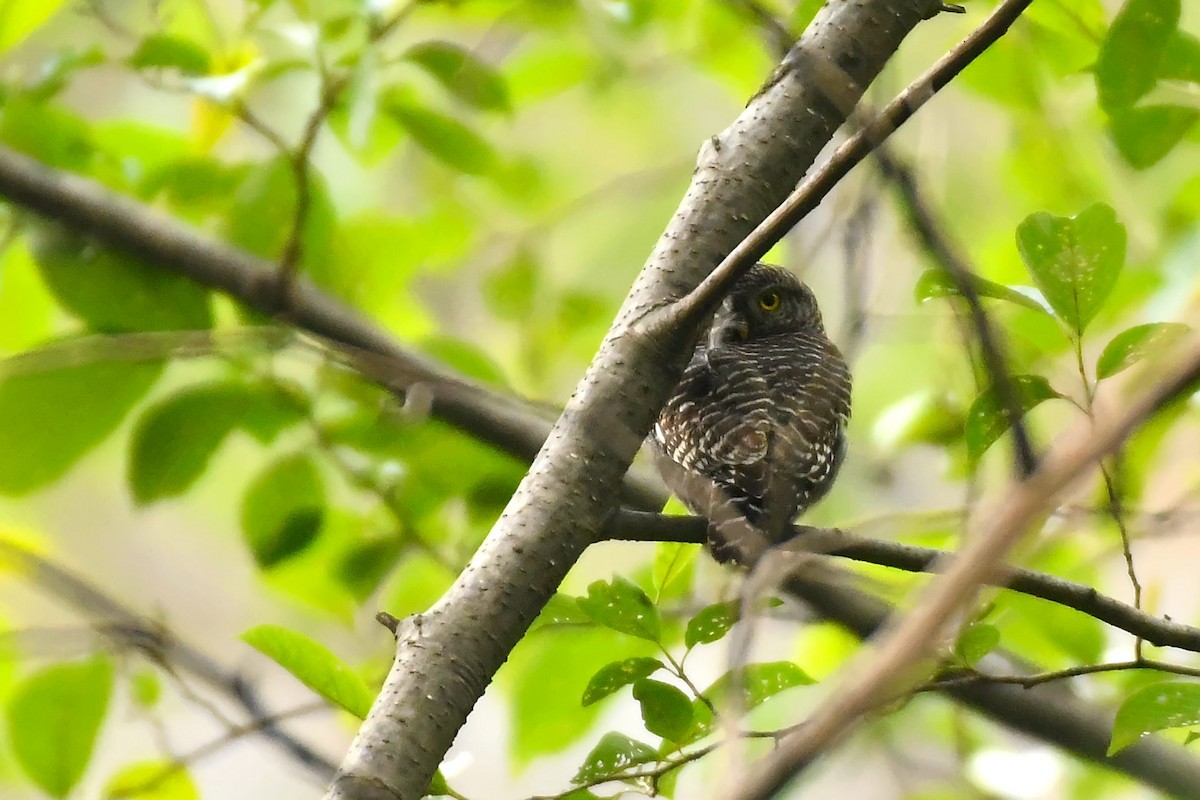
483,180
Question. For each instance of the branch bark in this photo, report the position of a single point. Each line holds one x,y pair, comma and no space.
640,526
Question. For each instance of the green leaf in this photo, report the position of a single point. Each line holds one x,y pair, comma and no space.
53,718
1075,260
976,642
1133,344
712,623
314,665
57,71
462,73
152,780
988,418
1156,707
551,671
510,291
438,787
443,137
666,711
673,569
19,18
615,753
622,606
283,510
936,283
45,426
756,683
114,293
162,51
263,214
1181,59
52,136
174,440
562,609
922,418
1146,134
1128,63
612,677
146,688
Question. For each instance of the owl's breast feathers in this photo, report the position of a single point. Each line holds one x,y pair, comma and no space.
758,425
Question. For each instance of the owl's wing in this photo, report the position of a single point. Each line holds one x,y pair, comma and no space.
717,424
811,391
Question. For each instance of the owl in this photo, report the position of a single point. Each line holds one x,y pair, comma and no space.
755,431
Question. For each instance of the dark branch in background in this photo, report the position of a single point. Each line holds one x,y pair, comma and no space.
519,429
937,242
643,526
131,630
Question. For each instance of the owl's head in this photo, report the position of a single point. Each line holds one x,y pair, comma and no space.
765,301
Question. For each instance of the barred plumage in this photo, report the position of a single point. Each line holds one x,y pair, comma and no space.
755,430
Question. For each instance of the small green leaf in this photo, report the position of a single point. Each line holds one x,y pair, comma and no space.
1146,134
1133,344
45,427
674,567
146,688
562,609
510,291
462,73
174,439
622,606
53,718
152,780
922,418
976,642
263,213
712,623
465,358
936,283
756,683
314,665
160,51
1075,260
52,136
443,137
988,418
438,787
115,293
1156,707
666,711
612,677
1128,63
615,753
283,510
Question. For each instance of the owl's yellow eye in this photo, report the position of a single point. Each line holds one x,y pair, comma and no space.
769,301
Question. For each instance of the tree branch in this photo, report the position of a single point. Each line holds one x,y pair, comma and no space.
131,630
640,526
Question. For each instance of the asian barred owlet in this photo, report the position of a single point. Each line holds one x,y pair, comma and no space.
755,431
